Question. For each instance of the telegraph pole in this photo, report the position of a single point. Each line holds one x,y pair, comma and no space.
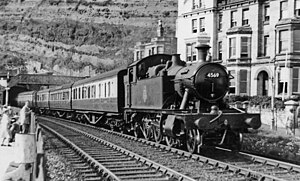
273,79
6,90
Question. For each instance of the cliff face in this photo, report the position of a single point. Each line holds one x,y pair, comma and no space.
79,37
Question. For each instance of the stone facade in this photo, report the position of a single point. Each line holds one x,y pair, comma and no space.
161,44
258,41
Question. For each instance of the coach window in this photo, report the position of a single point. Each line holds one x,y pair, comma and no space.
83,92
79,92
100,90
76,94
105,90
93,91
108,85
89,92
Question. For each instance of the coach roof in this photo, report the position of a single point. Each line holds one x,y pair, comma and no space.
99,76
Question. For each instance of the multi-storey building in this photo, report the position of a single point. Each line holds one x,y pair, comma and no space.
258,41
160,44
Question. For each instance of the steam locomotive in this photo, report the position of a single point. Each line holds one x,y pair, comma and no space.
159,98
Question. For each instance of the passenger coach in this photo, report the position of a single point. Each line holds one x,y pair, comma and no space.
60,100
100,96
26,96
42,101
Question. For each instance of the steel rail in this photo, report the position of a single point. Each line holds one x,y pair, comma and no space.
105,172
152,164
218,164
278,164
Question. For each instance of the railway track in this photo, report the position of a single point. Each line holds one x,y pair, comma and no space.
97,159
229,166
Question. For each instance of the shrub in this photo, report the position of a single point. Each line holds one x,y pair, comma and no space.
264,101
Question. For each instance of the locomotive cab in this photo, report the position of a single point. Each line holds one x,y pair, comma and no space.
147,87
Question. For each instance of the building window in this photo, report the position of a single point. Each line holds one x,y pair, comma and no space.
283,41
194,25
202,24
220,22
283,9
266,43
232,82
153,50
233,20
295,81
296,40
194,52
220,50
297,8
191,52
245,17
232,47
245,47
137,55
266,13
197,4
243,81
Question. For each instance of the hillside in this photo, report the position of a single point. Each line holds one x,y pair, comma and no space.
78,36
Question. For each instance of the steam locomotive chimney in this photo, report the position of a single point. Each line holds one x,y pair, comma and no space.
176,60
202,52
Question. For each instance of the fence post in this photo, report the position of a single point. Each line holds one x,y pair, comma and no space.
32,123
25,152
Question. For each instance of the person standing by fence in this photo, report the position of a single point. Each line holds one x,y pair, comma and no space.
290,121
4,127
25,118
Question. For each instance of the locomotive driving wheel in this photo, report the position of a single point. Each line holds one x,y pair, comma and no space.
157,132
170,141
193,140
142,129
